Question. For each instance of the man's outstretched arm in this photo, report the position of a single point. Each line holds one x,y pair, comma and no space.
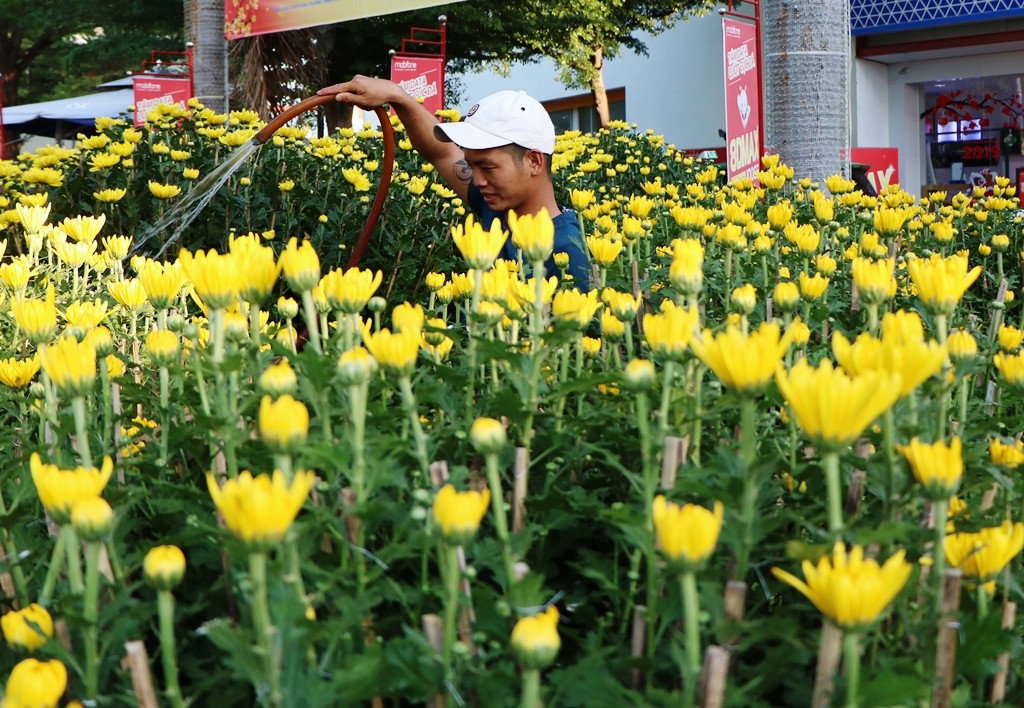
369,93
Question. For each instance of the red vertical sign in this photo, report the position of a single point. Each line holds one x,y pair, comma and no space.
420,77
882,165
153,89
742,99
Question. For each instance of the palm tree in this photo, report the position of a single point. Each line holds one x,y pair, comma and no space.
204,28
807,84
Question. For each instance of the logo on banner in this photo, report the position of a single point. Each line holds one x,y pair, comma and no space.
744,105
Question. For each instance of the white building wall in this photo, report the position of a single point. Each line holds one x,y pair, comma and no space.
870,104
677,91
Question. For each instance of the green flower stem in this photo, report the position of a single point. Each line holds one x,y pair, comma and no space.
265,631
830,463
412,411
10,550
531,689
474,308
254,326
53,570
629,341
889,448
357,395
564,354
108,402
666,398
451,607
217,337
983,599
942,327
91,616
940,508
73,546
851,651
691,621
965,387
751,485
698,413
81,431
309,314
165,413
650,482
873,318
500,521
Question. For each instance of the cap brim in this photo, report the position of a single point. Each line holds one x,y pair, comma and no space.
468,136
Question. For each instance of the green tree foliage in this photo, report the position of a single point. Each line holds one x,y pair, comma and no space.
60,48
578,35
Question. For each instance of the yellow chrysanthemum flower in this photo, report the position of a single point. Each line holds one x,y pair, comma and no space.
164,566
70,365
686,534
847,588
458,514
744,362
941,282
216,277
604,249
36,318
535,639
937,466
1008,455
284,423
348,291
832,408
259,510
128,293
83,229
163,191
36,683
669,332
59,489
19,632
479,246
301,265
982,555
395,352
18,373
161,281
533,234
915,361
575,309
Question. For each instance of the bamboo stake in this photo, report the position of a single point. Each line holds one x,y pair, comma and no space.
999,682
855,492
713,677
432,630
948,636
671,459
828,662
136,661
637,643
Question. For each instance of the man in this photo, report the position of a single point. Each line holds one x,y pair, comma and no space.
497,159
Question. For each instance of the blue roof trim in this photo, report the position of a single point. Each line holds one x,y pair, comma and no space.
871,16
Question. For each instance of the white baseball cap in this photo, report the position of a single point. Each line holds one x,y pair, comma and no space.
501,119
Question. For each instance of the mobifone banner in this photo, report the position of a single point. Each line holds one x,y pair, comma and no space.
742,100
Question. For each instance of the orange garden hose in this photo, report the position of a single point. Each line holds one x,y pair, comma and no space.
387,168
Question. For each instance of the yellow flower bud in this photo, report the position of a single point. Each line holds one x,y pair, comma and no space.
164,566
92,518
487,435
19,631
535,639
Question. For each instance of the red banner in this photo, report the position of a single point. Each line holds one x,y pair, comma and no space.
154,89
742,99
882,165
245,18
420,77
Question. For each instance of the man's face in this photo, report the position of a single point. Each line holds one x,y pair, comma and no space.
502,176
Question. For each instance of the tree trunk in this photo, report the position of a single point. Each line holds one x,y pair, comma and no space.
807,84
204,28
597,89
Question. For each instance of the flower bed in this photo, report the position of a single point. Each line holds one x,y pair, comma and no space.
253,476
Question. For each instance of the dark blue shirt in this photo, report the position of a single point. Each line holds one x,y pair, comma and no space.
568,239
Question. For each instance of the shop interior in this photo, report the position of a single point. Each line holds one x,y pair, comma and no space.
972,130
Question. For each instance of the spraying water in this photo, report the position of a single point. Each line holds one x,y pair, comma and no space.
184,212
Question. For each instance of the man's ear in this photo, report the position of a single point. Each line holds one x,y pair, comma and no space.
536,161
